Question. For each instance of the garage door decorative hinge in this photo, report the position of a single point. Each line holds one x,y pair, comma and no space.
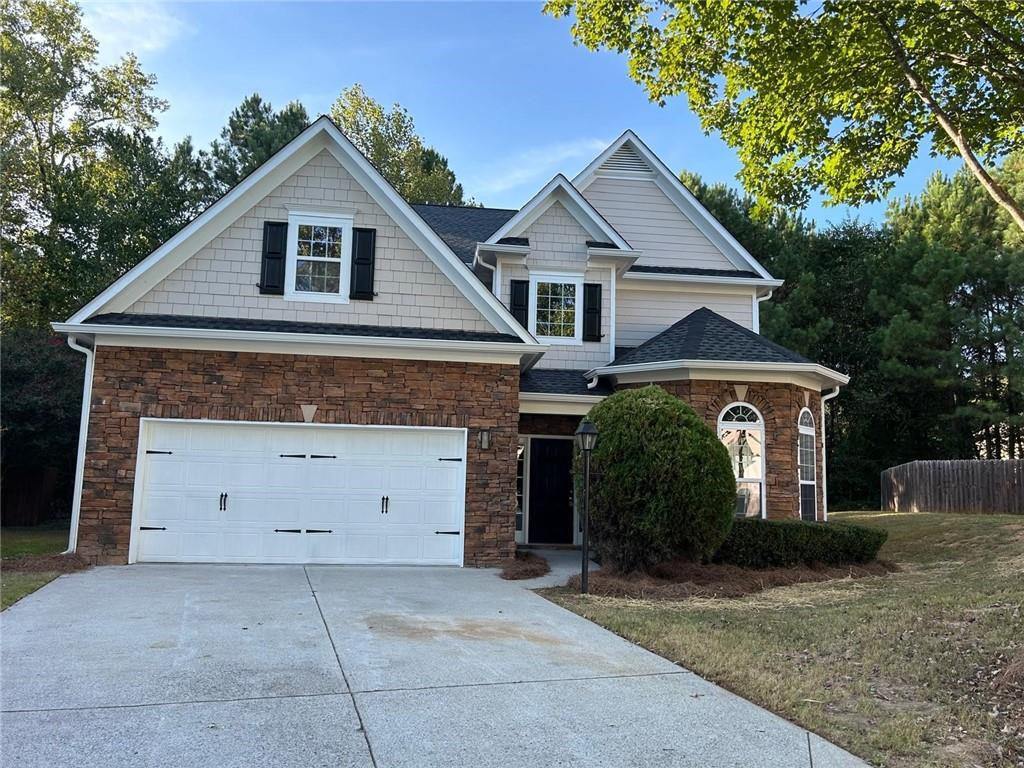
318,530
458,458
166,453
287,530
321,456
293,455
151,528
447,533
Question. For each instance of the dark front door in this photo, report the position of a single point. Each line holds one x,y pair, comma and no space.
550,491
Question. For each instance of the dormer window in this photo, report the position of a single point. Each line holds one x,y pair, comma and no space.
557,312
319,257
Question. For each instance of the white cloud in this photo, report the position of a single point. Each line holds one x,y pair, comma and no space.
533,166
139,27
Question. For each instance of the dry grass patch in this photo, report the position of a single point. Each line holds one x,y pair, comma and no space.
525,565
919,667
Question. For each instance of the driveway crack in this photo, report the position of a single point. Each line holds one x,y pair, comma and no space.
344,677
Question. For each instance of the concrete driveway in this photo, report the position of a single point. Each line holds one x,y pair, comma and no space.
192,665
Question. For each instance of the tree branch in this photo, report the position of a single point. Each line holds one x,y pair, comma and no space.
995,190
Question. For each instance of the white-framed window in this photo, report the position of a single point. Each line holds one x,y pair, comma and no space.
806,453
741,430
556,299
319,260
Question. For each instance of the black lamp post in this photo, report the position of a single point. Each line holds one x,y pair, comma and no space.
586,439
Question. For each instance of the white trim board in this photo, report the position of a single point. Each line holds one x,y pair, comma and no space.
683,199
321,134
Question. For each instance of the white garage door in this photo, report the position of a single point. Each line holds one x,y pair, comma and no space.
241,493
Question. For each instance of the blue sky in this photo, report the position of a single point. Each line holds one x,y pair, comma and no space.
498,88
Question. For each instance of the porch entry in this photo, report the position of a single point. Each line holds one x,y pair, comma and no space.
546,512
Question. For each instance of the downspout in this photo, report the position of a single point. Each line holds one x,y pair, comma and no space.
83,435
824,468
757,310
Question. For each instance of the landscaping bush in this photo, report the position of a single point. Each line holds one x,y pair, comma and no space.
663,487
784,543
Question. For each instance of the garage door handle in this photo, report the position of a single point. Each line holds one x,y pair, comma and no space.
151,528
287,530
315,530
448,533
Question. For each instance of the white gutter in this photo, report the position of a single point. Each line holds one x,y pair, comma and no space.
83,436
824,478
727,365
663,277
757,310
221,334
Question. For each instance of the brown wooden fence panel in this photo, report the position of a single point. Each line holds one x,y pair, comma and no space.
971,487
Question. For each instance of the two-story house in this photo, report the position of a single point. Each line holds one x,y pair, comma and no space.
314,370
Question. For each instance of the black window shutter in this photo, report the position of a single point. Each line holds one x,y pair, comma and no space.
592,312
364,245
519,301
275,243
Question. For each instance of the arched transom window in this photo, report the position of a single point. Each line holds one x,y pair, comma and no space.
806,453
741,429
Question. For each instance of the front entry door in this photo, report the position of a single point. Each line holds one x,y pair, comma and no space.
550,492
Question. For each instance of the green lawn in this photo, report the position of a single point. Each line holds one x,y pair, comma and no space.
898,669
19,543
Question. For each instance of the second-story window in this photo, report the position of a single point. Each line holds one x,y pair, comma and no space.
557,307
319,260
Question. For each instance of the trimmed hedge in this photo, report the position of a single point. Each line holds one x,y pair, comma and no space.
783,543
662,483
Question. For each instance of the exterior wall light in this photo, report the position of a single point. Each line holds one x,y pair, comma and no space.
485,439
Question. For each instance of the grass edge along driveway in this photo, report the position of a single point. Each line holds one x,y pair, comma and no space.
22,547
909,669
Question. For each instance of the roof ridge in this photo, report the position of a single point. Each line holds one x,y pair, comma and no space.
468,207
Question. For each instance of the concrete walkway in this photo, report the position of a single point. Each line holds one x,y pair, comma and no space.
280,666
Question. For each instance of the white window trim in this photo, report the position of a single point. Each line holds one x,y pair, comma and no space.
295,218
811,430
761,427
575,278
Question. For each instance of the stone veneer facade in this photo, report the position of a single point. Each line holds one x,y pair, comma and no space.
131,383
779,404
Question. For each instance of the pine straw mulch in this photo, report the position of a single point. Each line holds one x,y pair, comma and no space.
525,565
679,580
44,564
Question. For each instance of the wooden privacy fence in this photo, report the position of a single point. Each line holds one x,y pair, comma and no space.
979,487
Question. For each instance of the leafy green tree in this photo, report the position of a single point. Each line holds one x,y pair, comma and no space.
85,192
389,140
834,97
954,292
254,132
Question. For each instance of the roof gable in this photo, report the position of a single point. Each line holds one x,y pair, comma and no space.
320,135
628,158
561,190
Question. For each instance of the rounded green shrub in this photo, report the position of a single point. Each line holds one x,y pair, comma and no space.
662,486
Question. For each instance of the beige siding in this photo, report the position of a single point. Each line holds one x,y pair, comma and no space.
220,280
559,244
641,314
652,223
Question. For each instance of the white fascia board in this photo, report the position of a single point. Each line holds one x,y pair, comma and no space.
826,374
621,260
549,403
560,189
303,343
683,199
187,241
658,277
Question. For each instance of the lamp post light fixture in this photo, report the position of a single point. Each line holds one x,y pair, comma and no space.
586,439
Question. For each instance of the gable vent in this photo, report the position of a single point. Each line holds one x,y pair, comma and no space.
625,158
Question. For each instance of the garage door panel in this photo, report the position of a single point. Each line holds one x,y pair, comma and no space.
340,491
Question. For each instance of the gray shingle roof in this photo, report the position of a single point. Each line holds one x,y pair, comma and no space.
559,381
287,326
693,271
463,227
703,335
